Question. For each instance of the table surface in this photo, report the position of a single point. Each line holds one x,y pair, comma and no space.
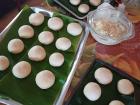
124,56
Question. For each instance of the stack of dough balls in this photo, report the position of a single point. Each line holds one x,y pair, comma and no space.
45,79
103,75
55,23
92,91
22,69
15,46
56,59
84,8
36,19
46,37
26,32
37,53
63,43
125,87
4,63
74,29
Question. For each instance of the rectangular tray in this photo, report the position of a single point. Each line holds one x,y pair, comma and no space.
78,98
74,10
83,38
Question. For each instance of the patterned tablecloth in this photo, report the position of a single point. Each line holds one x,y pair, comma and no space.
125,56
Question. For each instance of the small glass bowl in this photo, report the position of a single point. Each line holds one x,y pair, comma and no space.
114,16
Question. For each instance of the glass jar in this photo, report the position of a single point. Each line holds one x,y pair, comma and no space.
109,26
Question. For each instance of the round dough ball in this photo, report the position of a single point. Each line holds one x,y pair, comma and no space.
103,75
95,2
55,23
75,2
22,69
92,91
15,46
63,43
4,63
116,102
125,87
36,19
45,79
83,8
26,32
46,37
56,59
74,29
37,53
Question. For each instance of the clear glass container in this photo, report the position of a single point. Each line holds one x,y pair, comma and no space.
115,21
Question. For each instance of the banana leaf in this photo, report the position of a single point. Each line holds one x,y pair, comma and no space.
109,92
74,9
25,90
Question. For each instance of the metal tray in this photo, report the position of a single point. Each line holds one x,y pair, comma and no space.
81,44
76,96
112,2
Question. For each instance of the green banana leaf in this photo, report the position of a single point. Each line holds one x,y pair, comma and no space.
25,90
74,9
109,92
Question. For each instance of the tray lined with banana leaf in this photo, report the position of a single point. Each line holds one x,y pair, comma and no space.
80,8
122,90
25,90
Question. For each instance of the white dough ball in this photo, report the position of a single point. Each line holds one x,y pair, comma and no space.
63,43
36,19
37,53
75,2
125,87
45,79
103,75
56,59
15,46
46,37
83,8
116,102
55,23
26,32
22,69
74,29
95,2
92,91
4,63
